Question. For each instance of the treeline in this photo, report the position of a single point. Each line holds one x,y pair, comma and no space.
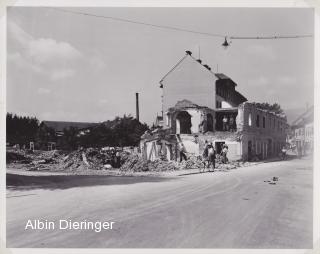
120,132
275,107
21,129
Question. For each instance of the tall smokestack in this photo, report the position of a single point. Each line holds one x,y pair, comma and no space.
137,106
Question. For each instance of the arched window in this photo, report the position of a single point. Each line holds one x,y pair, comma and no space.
183,123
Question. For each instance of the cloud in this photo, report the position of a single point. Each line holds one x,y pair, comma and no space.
48,50
18,33
43,90
62,74
41,55
22,63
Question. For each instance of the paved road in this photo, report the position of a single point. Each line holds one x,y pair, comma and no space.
232,209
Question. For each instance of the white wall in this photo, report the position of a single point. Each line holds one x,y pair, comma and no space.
225,104
190,81
195,119
190,144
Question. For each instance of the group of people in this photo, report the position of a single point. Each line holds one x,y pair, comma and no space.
209,155
228,124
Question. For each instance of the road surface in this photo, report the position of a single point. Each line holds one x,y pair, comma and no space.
241,208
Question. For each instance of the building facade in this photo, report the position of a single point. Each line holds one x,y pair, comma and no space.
201,106
302,130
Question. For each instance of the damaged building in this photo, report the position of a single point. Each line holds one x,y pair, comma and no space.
199,105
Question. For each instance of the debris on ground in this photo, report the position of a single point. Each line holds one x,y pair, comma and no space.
99,159
17,156
273,181
135,163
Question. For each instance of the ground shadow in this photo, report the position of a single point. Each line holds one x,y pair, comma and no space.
23,182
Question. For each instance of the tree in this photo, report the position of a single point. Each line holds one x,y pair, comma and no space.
275,107
128,131
45,134
21,129
122,131
70,139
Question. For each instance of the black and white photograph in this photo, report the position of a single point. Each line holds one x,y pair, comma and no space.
160,127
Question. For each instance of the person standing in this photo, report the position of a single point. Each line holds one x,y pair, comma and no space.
224,123
224,154
205,155
182,152
212,156
231,123
118,159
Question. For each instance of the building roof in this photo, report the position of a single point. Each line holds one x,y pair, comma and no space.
205,66
184,104
221,76
240,96
59,126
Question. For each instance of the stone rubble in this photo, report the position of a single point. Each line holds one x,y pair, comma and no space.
97,159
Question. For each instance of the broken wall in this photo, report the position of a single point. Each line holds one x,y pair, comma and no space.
194,144
198,116
263,132
231,139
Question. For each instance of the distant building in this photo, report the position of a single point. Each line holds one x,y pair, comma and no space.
158,121
54,141
200,105
302,130
59,126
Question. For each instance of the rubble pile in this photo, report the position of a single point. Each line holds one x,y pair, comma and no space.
162,165
99,159
96,159
17,156
135,163
72,161
192,162
83,159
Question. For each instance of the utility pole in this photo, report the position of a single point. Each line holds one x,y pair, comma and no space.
137,106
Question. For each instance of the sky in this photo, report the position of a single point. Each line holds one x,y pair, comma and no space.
68,67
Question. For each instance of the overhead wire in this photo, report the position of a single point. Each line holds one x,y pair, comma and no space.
233,37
